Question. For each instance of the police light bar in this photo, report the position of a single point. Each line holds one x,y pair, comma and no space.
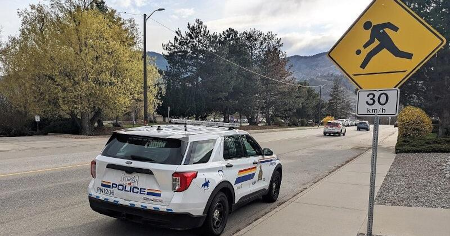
205,123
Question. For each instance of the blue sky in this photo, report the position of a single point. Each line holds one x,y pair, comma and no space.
306,27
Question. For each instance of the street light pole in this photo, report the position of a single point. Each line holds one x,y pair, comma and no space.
144,56
145,72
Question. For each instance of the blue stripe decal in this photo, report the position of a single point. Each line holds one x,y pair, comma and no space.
106,199
154,194
265,161
169,210
143,207
156,208
106,185
116,202
90,195
98,197
244,178
132,204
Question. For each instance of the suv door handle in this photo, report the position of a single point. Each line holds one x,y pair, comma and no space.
229,165
255,163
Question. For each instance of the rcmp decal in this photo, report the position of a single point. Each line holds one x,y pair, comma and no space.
130,189
205,185
245,175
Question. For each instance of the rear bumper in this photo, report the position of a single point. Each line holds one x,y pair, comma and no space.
157,218
331,132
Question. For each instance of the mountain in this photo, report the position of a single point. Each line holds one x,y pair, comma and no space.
160,61
316,70
319,70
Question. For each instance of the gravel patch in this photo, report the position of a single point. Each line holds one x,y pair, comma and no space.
417,180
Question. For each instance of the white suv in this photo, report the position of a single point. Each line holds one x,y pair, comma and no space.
182,177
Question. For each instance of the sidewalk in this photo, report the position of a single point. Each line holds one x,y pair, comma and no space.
338,204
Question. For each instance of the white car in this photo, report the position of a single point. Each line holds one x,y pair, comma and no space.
182,176
334,127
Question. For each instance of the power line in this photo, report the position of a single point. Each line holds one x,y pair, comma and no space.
232,62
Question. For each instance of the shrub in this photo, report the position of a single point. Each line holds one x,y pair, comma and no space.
428,144
294,121
413,122
326,119
61,126
303,122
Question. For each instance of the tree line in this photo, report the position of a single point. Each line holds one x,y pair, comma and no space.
232,72
429,88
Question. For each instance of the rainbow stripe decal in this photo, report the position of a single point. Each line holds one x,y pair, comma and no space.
245,175
106,184
154,192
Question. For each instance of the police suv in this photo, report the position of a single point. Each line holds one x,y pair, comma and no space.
182,176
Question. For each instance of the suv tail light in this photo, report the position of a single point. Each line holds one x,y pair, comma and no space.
93,169
182,180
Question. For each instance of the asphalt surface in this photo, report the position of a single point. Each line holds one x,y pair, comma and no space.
43,180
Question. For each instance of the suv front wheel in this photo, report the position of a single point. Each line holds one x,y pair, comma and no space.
217,216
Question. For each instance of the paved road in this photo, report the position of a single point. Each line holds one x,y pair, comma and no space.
43,180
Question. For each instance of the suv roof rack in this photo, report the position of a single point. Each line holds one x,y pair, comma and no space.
205,123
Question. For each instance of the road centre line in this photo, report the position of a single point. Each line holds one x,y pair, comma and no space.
43,170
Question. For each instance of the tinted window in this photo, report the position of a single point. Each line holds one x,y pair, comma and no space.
333,124
147,149
233,147
251,146
199,152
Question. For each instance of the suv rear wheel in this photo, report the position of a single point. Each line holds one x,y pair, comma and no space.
217,216
274,188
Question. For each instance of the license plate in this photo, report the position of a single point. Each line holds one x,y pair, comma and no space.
129,180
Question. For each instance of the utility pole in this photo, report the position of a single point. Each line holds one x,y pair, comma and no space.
320,105
144,57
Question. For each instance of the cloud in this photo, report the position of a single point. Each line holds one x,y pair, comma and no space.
184,12
306,43
305,26
127,4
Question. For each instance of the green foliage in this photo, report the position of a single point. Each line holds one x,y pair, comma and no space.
413,122
12,121
429,88
423,145
201,80
339,105
71,59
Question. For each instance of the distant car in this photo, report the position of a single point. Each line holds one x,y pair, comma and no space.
363,125
344,122
396,124
334,127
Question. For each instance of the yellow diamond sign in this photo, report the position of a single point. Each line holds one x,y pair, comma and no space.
385,46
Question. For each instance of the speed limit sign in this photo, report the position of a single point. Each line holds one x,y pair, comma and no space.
378,102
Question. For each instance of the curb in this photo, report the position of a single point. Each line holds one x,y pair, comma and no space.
279,130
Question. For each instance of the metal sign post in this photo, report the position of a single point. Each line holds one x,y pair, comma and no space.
376,103
373,173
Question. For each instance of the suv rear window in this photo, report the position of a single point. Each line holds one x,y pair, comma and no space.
333,124
147,149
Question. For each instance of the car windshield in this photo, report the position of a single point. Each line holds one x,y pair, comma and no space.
362,123
147,149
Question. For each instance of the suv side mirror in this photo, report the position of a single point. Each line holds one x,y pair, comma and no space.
267,152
